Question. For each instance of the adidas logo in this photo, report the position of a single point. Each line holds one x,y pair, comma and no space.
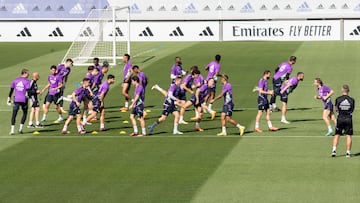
332,6
162,8
146,33
3,8
206,8
19,9
135,8
206,32
150,8
61,8
247,8
87,33
356,31
177,32
117,32
345,6
24,33
56,33
218,8
77,9
304,7
36,8
190,9
48,8
174,8
288,7
276,7
263,8
320,6
231,8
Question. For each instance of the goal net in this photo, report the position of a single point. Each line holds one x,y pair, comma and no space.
105,34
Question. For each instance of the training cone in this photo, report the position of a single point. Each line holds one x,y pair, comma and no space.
122,132
36,133
147,110
94,132
125,121
123,111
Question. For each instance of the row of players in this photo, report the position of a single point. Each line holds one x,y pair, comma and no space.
201,90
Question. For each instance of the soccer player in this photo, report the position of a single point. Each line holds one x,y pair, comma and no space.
169,107
213,69
227,107
54,85
63,70
127,72
286,89
35,106
137,107
176,69
282,73
87,101
78,96
143,81
263,103
325,93
197,99
345,106
96,64
99,102
19,86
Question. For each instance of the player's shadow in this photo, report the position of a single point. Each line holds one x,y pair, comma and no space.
299,109
265,130
305,120
357,154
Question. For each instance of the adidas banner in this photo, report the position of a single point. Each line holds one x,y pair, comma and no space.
281,30
352,30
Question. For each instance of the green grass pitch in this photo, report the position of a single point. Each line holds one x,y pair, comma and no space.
291,165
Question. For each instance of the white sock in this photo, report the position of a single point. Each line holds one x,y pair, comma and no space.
126,104
79,128
223,129
269,124
21,127
257,125
238,125
348,152
143,130
197,124
283,118
60,117
44,117
30,122
135,129
329,128
273,105
102,125
334,149
37,122
210,110
181,118
176,127
210,107
62,109
84,118
12,129
196,114
64,128
158,88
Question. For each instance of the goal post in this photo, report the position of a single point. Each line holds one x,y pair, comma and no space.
105,34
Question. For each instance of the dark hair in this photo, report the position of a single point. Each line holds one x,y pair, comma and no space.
91,68
86,79
319,81
96,59
105,64
217,57
67,60
135,66
299,73
266,72
196,71
110,76
346,88
52,67
226,77
292,58
128,56
135,78
192,68
24,70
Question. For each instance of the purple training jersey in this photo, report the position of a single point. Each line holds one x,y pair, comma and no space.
143,78
227,92
97,79
204,90
55,81
263,84
127,70
214,69
63,72
139,91
81,93
176,71
284,69
171,91
198,81
20,86
323,91
91,77
293,82
104,88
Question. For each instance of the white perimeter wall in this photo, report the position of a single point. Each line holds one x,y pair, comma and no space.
290,30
